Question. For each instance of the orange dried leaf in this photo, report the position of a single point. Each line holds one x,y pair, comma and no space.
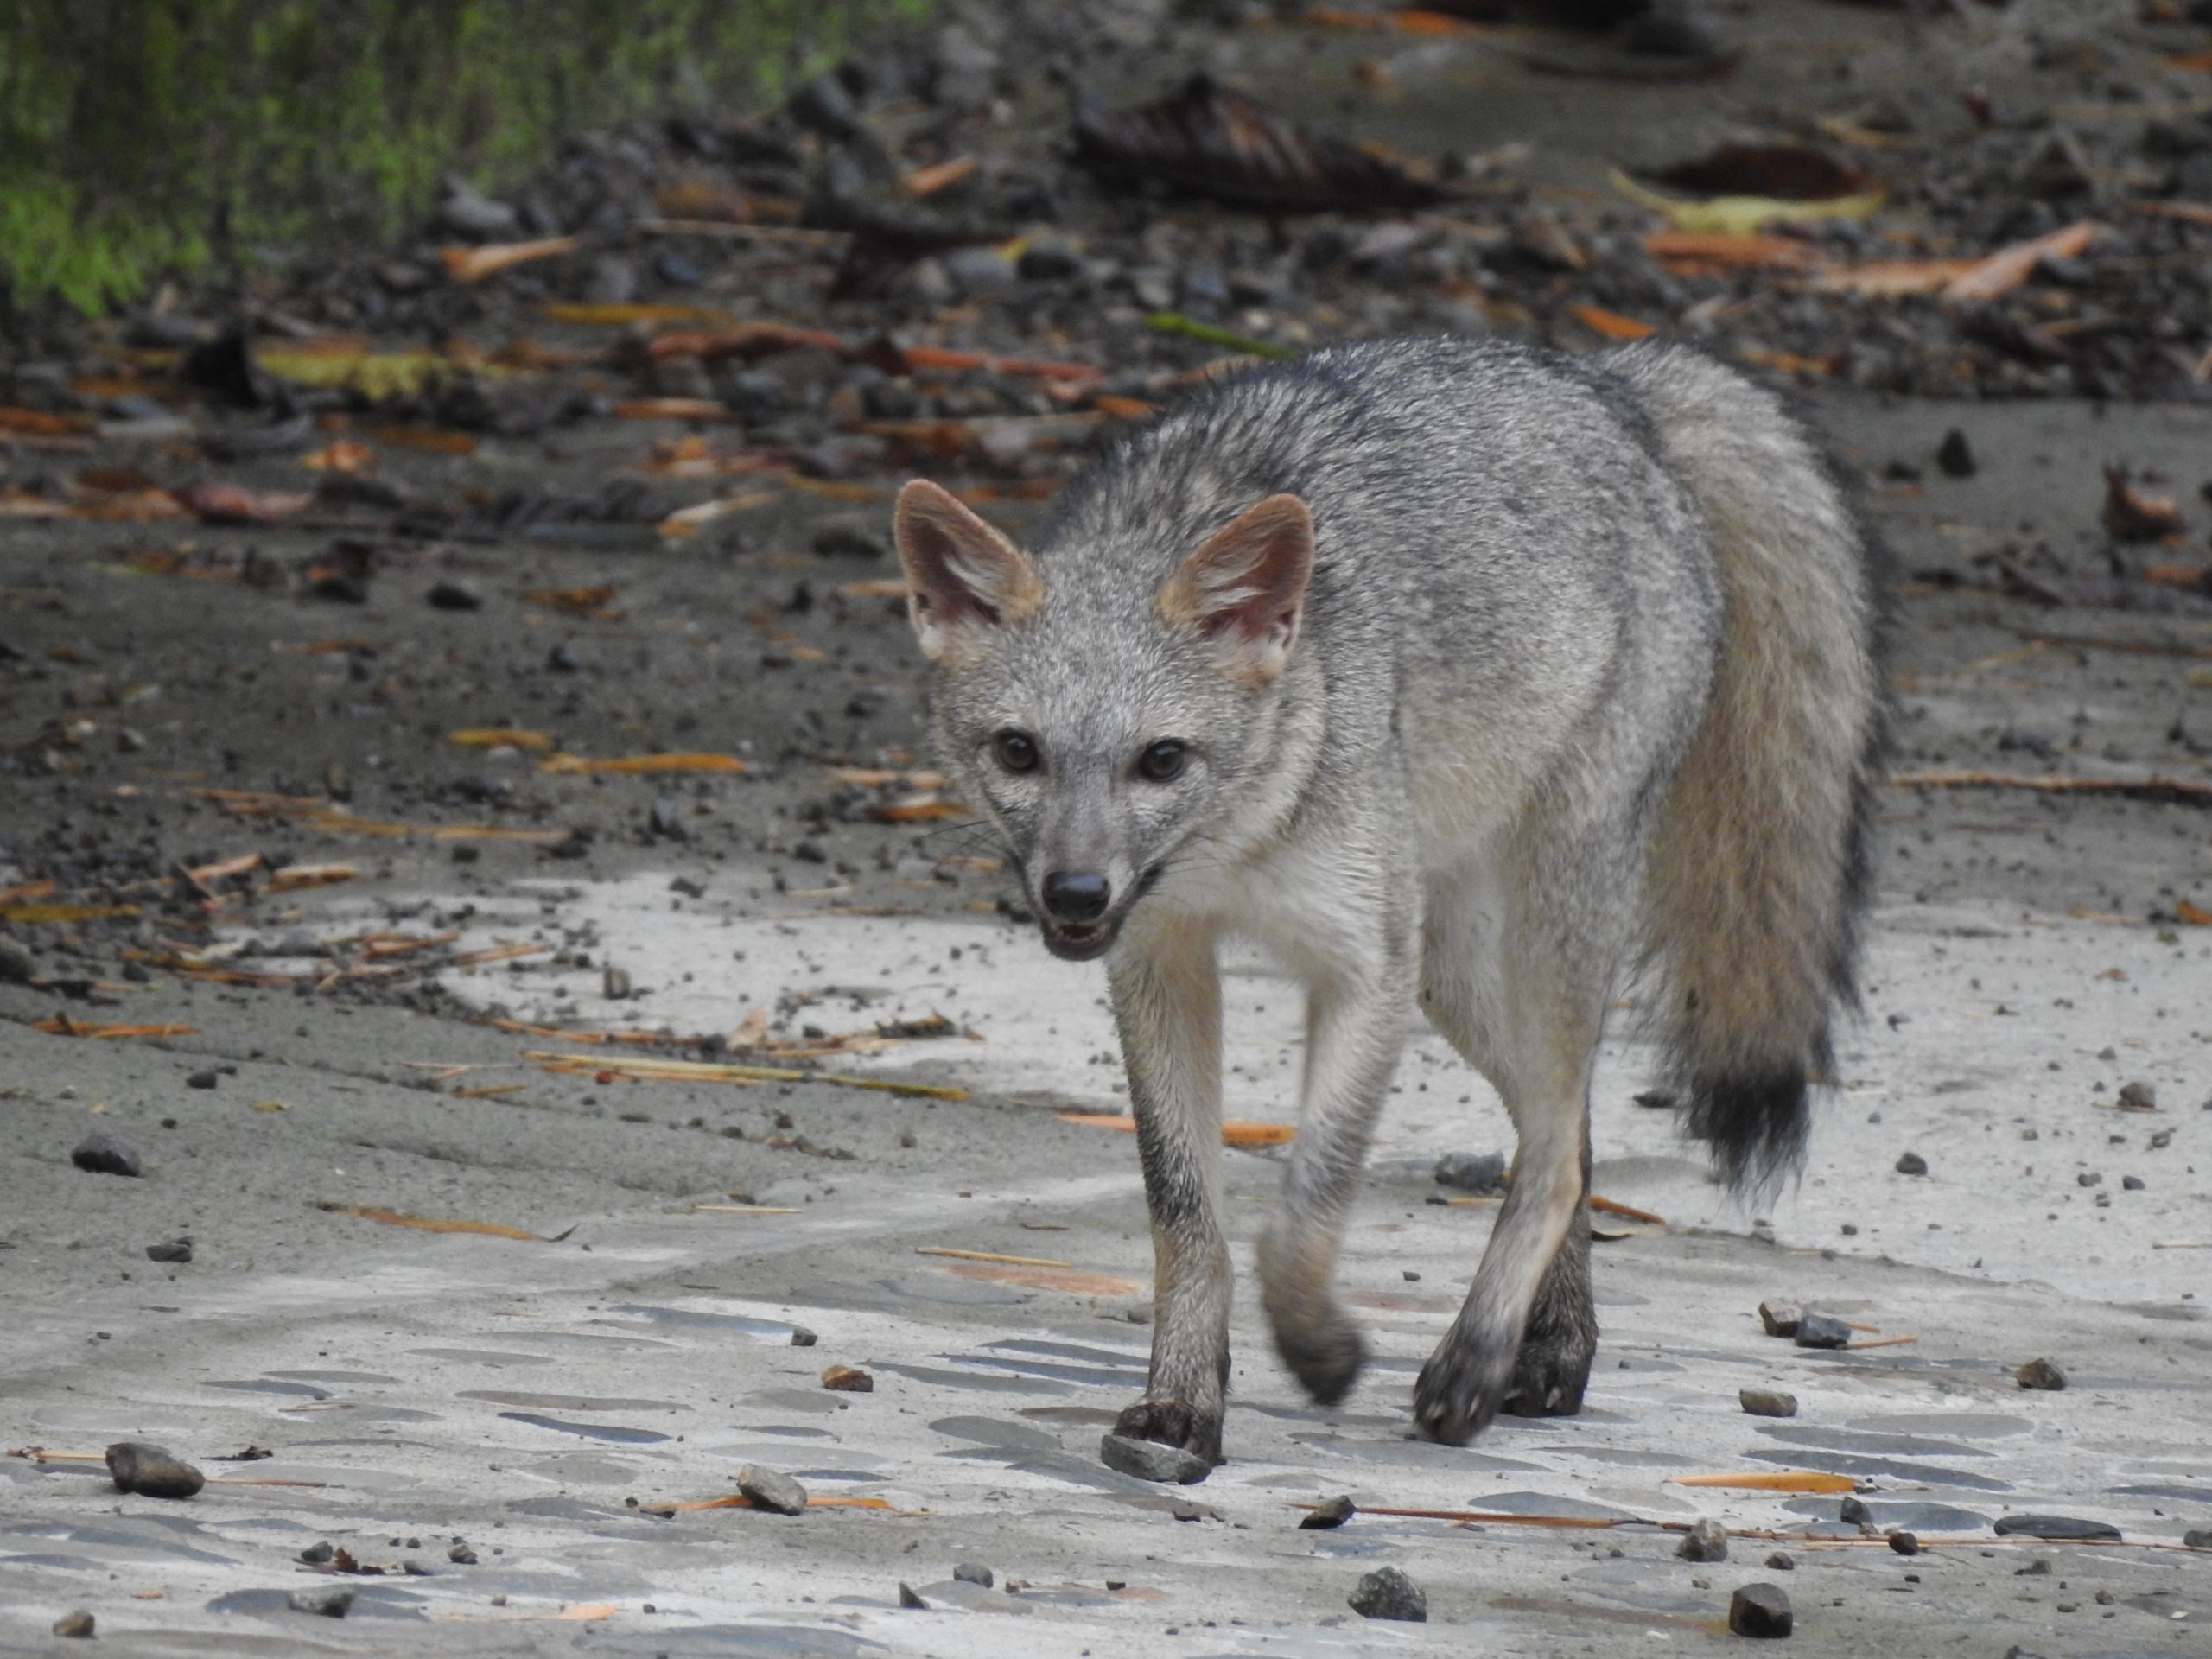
928,181
1235,1132
473,265
1729,248
1072,1281
1120,408
341,456
436,1224
2006,268
499,737
578,601
571,764
1776,1480
47,913
1612,324
42,423
61,1025
37,889
2194,915
672,408
2130,516
294,877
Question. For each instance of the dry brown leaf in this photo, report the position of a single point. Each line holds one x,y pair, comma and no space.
465,264
578,601
499,737
436,1224
341,456
1712,249
1776,1480
938,175
989,1255
569,765
61,1025
293,877
2194,915
1235,1132
2129,516
1612,324
1073,1281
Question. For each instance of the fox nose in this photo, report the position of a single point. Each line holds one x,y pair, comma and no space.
1074,897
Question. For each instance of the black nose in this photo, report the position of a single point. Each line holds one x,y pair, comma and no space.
1076,898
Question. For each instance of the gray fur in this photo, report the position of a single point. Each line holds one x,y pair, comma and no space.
1584,678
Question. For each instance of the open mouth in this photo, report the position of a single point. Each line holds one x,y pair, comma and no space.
1078,941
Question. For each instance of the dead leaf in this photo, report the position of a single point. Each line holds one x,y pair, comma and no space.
2129,517
707,1071
465,264
1776,1480
435,1225
1612,324
739,1501
430,440
1699,253
61,1025
989,1255
2005,270
2194,915
1235,1132
673,408
1071,1281
36,912
341,456
499,737
1742,215
2153,788
577,601
42,423
938,175
1211,141
294,877
572,765
611,315
226,504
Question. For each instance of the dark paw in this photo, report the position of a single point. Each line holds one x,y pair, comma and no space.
1459,1393
1171,1422
1326,1362
1547,1380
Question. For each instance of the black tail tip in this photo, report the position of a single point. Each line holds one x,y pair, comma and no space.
1755,1124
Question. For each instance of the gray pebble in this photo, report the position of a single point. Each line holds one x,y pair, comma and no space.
1781,1562
102,1154
771,1490
329,1603
1767,1402
2138,1094
2065,1527
77,1624
176,1249
1388,1593
1149,1460
1471,1172
16,965
1708,1541
803,1338
1911,1163
203,1080
2198,1538
1904,1543
2131,1183
1853,1512
1822,1330
909,1597
1780,1319
1955,455
2040,1374
1761,1609
1329,1516
151,1470
972,1573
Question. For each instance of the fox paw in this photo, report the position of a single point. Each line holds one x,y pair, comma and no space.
1547,1380
1326,1361
1459,1390
1173,1422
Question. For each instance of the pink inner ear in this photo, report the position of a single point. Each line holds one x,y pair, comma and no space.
1250,577
959,567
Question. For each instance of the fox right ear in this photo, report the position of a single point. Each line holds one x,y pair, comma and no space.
961,575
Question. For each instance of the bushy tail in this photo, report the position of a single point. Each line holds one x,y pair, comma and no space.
1758,871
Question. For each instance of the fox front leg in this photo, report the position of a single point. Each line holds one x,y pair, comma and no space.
1167,1004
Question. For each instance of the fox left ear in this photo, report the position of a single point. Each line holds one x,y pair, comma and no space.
962,577
1245,585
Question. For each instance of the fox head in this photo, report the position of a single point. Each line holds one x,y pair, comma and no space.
1107,704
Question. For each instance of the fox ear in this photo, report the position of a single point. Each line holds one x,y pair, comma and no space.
1245,587
961,575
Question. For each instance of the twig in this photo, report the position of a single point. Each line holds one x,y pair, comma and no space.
2175,791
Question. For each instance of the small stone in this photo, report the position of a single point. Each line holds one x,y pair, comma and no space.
1780,1319
1326,1517
2090,1178
151,1470
770,1491
328,1603
461,1555
1853,1512
454,597
2138,1097
1911,1163
1781,1562
77,1624
1767,1402
1471,1172
2066,1527
203,1080
101,1154
1388,1593
318,1555
2198,1538
614,984
1183,1509
1822,1330
1761,1609
908,1597
1708,1541
972,1573
848,1379
1955,455
2131,1183
16,965
177,1249
1150,1460
803,1338
2040,1374
1904,1543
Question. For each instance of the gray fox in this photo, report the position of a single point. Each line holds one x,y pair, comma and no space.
1457,675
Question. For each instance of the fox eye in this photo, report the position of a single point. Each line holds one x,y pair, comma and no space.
1017,751
1162,761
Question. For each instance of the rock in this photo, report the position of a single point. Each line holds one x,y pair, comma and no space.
1822,1330
203,1080
1471,1172
1853,1512
2198,1538
1781,1562
770,1491
1780,1319
1911,1163
1327,1517
2138,1097
972,1573
327,1604
1767,1402
317,1555
908,1597
2066,1527
981,273
1904,1543
2090,1178
2131,1183
1706,1540
1954,456
1150,1460
454,597
2040,1374
16,966
848,1379
1049,258
151,1470
614,984
77,1624
468,211
177,1249
1760,1610
461,1555
102,1154
803,1338
1388,1593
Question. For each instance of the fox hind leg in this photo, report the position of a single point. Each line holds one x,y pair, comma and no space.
1552,1367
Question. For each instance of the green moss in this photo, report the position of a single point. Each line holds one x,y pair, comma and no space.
139,137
